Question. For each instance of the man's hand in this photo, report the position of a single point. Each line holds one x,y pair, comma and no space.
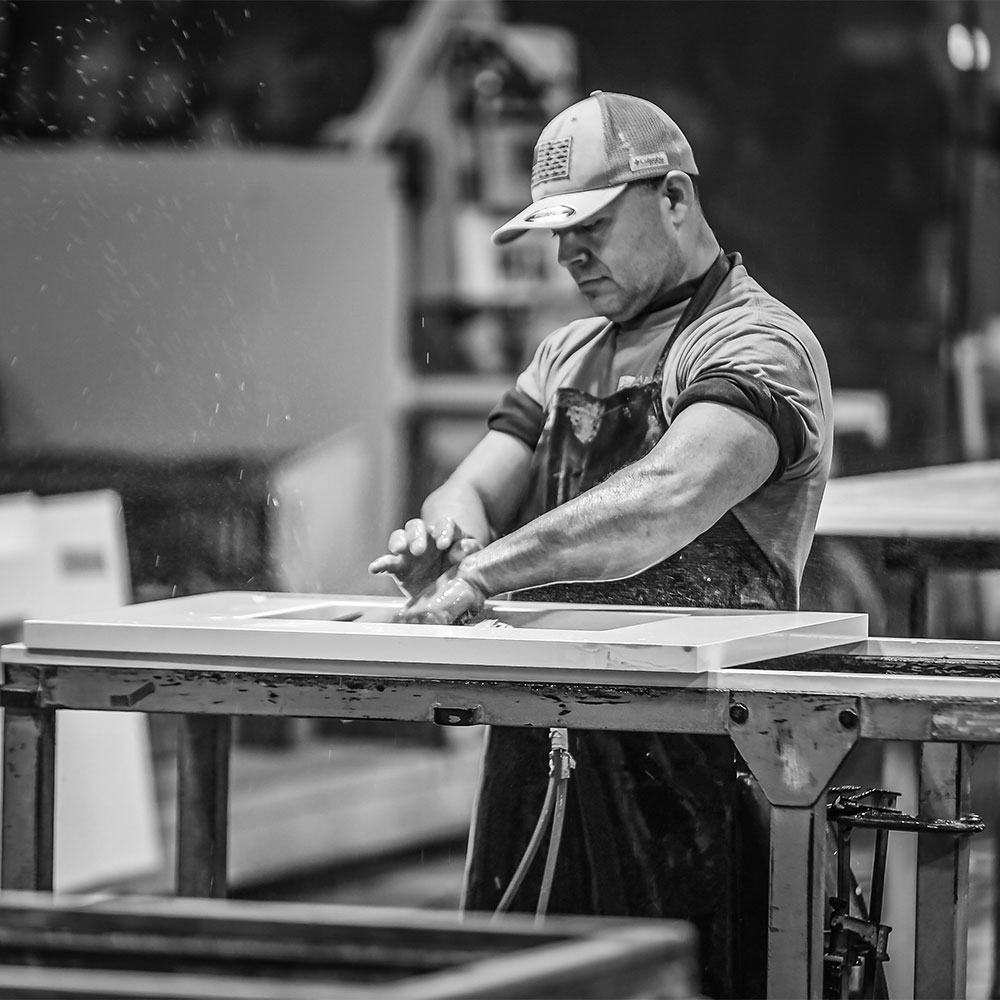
420,553
450,599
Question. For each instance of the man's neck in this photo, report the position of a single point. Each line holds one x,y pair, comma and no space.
680,292
704,254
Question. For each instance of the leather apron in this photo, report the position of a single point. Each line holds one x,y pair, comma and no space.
653,822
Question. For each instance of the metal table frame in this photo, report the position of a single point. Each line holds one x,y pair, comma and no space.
794,720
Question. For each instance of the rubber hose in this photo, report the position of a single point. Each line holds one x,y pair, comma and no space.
532,849
555,837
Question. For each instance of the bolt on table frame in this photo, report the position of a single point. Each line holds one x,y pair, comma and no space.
793,720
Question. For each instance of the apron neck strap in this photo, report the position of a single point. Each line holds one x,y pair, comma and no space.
698,302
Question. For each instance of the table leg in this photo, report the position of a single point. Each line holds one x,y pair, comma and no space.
28,837
942,874
900,773
995,989
793,747
797,902
202,804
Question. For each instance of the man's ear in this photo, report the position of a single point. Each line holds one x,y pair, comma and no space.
678,195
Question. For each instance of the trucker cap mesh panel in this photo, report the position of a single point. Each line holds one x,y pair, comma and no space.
644,132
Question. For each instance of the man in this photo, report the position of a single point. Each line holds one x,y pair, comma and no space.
671,451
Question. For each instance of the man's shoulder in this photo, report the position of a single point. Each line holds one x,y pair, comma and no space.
568,349
761,307
578,330
573,336
747,327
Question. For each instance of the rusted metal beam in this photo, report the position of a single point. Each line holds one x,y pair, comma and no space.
26,848
202,804
942,874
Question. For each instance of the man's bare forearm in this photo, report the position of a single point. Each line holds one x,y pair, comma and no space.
638,516
608,533
463,505
483,494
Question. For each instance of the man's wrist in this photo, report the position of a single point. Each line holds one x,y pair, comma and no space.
469,571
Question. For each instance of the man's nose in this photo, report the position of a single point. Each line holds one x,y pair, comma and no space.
571,248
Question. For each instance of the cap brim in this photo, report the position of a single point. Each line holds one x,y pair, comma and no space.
558,211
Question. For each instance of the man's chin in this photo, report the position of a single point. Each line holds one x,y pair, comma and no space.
602,305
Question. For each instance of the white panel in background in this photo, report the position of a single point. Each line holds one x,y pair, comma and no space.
18,534
322,499
73,554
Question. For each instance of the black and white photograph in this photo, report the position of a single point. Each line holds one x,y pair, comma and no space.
499,499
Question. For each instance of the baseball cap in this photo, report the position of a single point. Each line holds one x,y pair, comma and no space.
588,153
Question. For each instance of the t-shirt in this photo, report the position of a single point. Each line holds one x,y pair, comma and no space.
747,350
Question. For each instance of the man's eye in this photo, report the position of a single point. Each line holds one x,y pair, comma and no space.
582,227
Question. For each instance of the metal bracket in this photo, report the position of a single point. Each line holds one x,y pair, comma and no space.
12,698
793,746
853,805
21,688
444,716
133,697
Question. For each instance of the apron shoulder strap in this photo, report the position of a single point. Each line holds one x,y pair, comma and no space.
698,303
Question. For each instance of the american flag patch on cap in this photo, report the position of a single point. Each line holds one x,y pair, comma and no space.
551,161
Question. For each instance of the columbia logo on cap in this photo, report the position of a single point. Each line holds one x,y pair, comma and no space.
657,159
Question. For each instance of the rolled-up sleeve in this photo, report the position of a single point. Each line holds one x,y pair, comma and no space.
745,392
765,371
519,415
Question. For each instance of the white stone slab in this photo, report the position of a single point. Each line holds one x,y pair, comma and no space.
585,638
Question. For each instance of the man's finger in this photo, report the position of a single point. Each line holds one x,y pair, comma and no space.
385,564
397,542
443,604
416,536
445,533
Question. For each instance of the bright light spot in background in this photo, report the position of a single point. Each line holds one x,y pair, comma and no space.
968,50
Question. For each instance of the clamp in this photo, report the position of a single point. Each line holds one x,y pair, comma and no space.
856,947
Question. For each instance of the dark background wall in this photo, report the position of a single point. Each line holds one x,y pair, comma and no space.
826,133
823,136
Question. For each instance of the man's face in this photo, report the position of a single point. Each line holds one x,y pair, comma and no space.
622,257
